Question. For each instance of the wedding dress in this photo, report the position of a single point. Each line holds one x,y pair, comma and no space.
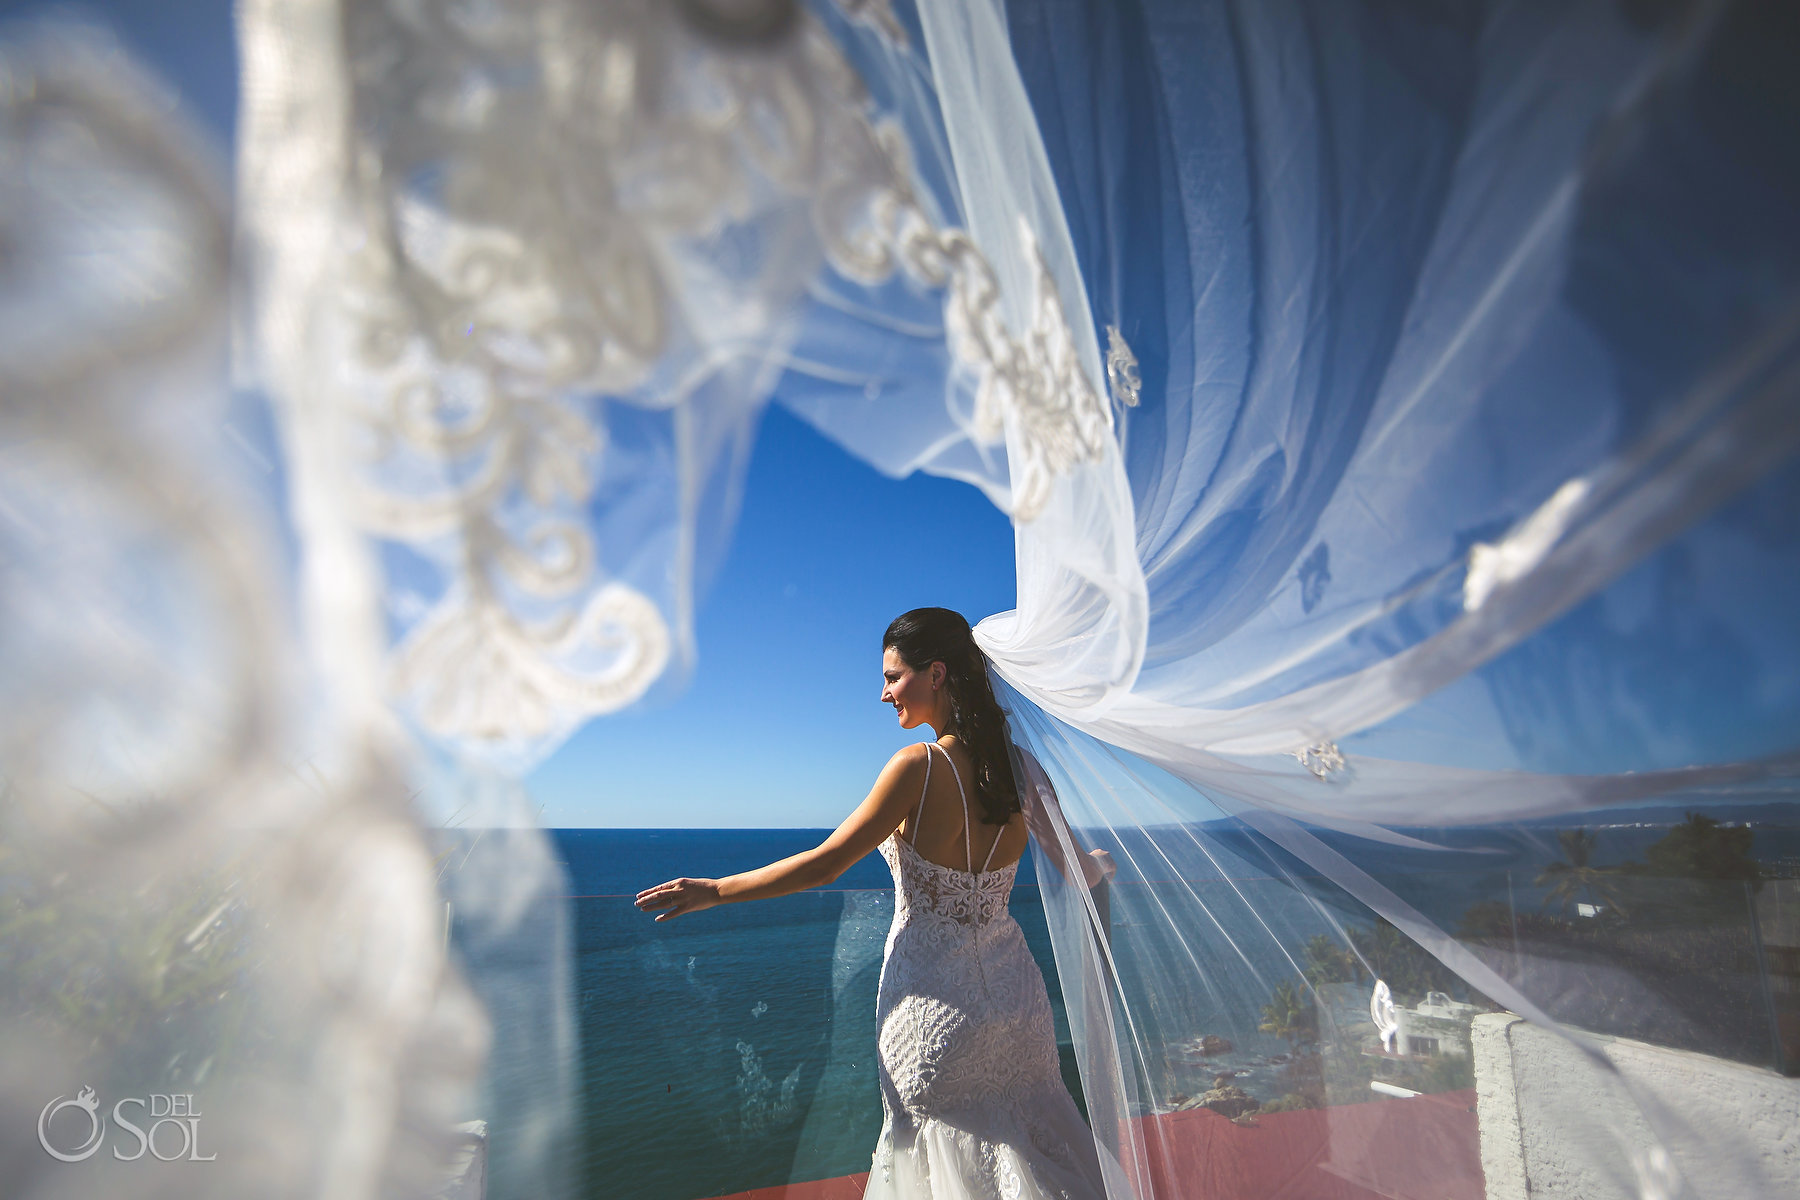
973,1098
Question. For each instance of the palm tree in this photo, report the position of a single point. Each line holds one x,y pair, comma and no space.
1330,961
1577,876
1701,848
1290,1015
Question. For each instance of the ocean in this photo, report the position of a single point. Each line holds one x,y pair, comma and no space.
734,1048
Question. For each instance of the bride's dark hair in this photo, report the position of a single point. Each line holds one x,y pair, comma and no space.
927,635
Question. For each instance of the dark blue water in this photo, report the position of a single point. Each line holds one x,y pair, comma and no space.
623,862
733,1048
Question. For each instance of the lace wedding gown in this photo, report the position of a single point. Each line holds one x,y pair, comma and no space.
973,1098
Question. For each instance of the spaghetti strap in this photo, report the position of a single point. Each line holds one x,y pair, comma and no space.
968,829
986,862
968,823
919,808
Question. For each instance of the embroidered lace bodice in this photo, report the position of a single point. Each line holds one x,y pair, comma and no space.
971,1084
925,886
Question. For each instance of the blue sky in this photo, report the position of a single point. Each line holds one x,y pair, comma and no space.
190,44
781,724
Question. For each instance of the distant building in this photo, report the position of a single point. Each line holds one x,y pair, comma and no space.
1785,867
1436,1026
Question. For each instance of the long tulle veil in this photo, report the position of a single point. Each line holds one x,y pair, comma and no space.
1394,405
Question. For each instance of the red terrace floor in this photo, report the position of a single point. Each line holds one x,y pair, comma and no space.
844,1187
1420,1149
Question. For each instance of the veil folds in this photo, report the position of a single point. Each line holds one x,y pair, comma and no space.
1394,405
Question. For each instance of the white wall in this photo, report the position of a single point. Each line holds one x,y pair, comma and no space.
1560,1124
466,1178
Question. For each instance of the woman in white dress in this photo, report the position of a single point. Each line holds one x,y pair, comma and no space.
973,1098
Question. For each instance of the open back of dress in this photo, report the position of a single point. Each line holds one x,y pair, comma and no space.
972,1094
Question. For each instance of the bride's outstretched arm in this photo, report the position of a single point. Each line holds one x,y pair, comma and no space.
1043,815
896,789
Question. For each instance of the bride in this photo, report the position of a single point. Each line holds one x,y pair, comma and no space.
973,1099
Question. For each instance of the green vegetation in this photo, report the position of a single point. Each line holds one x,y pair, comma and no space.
147,980
1701,848
1671,958
1668,958
1288,1102
1328,1068
1578,877
1330,961
1409,969
1290,1015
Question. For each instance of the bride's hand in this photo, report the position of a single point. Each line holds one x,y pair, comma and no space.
1108,868
679,896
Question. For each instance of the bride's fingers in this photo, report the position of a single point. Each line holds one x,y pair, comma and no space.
663,895
677,895
676,905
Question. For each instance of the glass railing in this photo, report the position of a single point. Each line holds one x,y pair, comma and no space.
1703,966
734,1050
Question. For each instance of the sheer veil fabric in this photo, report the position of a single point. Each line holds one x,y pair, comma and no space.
1388,424
1395,406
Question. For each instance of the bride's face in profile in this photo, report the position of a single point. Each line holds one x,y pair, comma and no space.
914,694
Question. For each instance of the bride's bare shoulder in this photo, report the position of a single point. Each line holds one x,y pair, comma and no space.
907,760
